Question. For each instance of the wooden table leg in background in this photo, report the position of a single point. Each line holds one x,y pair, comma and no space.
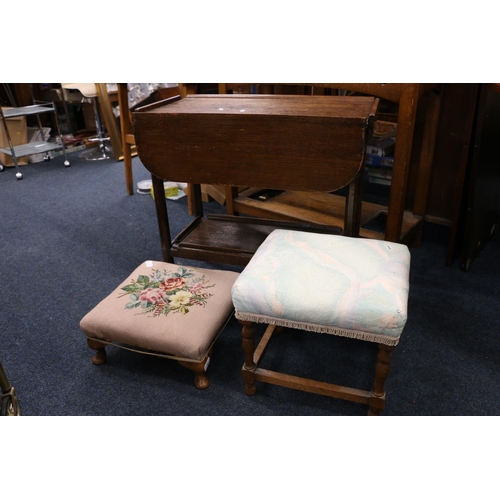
427,149
127,137
402,155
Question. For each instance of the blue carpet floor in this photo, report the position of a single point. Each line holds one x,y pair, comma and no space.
69,235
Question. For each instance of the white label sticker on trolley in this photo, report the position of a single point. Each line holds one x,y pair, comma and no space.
149,263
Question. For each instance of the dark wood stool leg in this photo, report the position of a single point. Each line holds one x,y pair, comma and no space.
248,370
200,374
100,356
377,397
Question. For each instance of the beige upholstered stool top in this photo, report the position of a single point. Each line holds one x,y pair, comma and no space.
164,309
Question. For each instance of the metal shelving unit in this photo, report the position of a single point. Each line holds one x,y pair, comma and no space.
31,148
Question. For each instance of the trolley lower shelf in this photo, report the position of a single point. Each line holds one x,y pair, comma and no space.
32,148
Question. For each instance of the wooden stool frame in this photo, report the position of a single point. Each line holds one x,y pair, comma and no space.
252,372
201,380
199,367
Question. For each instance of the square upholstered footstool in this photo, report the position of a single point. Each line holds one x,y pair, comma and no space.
351,287
164,309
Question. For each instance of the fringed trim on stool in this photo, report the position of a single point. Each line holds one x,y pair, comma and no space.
353,334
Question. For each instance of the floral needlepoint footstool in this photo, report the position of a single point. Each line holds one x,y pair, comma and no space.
166,310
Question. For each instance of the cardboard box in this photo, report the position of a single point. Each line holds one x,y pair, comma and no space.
213,191
18,135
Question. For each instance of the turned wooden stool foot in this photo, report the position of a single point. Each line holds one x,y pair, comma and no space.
100,356
250,386
377,397
248,370
200,376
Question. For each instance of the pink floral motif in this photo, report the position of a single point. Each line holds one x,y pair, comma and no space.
172,284
198,287
164,292
152,295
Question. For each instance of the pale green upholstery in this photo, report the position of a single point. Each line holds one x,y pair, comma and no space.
351,287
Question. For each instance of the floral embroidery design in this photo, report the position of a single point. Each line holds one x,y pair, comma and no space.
164,292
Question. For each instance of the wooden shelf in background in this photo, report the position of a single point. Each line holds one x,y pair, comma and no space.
319,208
